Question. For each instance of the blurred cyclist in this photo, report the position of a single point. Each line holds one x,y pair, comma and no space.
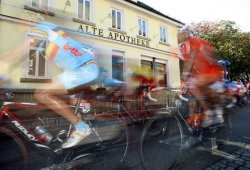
80,67
201,64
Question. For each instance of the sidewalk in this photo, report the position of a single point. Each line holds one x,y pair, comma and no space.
239,160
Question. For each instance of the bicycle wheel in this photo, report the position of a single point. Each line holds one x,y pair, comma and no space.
110,152
13,152
161,142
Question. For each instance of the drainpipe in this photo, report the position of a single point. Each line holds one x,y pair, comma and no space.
154,68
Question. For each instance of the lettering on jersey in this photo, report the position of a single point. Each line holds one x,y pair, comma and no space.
25,131
72,50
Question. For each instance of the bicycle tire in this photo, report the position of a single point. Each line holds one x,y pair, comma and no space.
161,142
110,153
14,153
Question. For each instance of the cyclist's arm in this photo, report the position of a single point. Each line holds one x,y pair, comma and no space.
189,64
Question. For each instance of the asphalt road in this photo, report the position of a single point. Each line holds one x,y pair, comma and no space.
233,153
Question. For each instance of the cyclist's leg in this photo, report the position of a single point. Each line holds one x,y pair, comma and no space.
67,80
197,91
49,97
200,91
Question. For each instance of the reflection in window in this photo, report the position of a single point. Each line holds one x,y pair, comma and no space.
146,63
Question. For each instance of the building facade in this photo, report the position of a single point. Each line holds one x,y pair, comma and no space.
123,32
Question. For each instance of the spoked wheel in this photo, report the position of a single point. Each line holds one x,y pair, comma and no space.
109,153
161,142
13,152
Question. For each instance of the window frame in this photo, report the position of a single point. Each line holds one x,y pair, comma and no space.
26,77
163,34
116,19
140,29
149,60
121,55
30,2
83,10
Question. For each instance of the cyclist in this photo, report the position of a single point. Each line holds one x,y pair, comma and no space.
80,67
200,62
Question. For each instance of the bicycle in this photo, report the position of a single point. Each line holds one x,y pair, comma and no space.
163,138
24,126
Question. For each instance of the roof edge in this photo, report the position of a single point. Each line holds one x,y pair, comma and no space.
145,6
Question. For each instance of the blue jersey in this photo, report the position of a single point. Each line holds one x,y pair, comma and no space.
64,51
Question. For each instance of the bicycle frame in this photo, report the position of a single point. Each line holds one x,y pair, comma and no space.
8,119
13,120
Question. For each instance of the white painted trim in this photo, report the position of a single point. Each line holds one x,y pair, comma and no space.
40,2
146,25
122,18
121,53
47,73
166,33
91,10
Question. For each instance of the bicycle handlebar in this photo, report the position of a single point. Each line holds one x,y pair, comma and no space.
158,89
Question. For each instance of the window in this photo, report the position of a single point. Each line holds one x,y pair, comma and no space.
116,19
163,34
118,65
142,27
36,67
42,4
146,63
160,71
84,10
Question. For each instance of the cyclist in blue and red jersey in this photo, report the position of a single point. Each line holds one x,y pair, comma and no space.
80,67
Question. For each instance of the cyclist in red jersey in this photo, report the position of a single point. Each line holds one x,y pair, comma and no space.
200,62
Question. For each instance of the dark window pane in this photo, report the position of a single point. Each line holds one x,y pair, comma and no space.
35,3
119,20
117,67
80,9
113,19
32,63
87,10
144,28
41,70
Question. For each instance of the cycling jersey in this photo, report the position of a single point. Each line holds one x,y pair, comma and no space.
79,63
204,63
